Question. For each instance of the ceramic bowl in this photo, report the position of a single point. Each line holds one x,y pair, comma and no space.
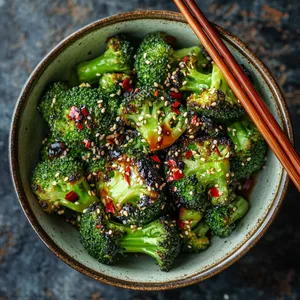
28,129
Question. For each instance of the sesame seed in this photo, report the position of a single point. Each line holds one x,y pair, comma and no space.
54,183
148,116
186,232
214,104
103,110
145,55
162,98
249,158
111,95
159,138
155,84
110,232
57,174
66,178
184,83
147,62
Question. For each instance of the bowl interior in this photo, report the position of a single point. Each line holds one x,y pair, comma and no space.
140,269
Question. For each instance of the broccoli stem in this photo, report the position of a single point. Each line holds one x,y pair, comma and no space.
239,135
108,62
84,199
196,81
182,53
145,240
242,207
219,82
201,229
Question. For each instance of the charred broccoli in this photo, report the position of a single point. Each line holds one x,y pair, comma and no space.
217,101
221,219
249,148
117,58
61,183
188,78
131,188
158,119
198,171
108,241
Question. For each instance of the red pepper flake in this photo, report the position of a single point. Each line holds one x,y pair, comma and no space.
84,111
98,226
174,107
136,90
214,192
194,120
186,59
111,141
71,196
87,144
172,162
126,85
126,176
175,95
155,158
218,151
79,126
109,207
69,117
180,224
188,154
156,93
178,174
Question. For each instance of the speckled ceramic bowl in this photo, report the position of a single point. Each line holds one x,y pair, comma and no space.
28,130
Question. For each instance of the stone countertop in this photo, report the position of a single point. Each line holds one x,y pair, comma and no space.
28,30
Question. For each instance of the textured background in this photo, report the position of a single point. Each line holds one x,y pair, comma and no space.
28,30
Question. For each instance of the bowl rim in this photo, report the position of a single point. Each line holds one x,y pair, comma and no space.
236,253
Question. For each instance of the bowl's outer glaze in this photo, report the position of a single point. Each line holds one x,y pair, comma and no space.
28,130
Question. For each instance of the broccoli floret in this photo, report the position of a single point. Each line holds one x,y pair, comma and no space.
190,217
113,83
61,183
249,148
203,126
130,187
108,241
182,55
221,219
53,148
194,240
158,119
48,105
131,142
198,171
81,113
187,77
152,59
117,58
217,101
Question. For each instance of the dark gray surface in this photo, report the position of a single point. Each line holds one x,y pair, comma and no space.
28,30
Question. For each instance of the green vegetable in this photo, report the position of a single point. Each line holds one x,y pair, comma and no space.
199,172
158,119
249,146
222,219
61,183
116,59
217,101
188,78
108,241
152,59
130,187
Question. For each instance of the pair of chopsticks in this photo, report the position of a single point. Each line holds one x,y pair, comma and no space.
243,88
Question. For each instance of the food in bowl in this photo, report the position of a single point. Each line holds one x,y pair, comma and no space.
146,152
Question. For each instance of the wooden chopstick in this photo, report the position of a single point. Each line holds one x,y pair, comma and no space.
246,84
290,161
